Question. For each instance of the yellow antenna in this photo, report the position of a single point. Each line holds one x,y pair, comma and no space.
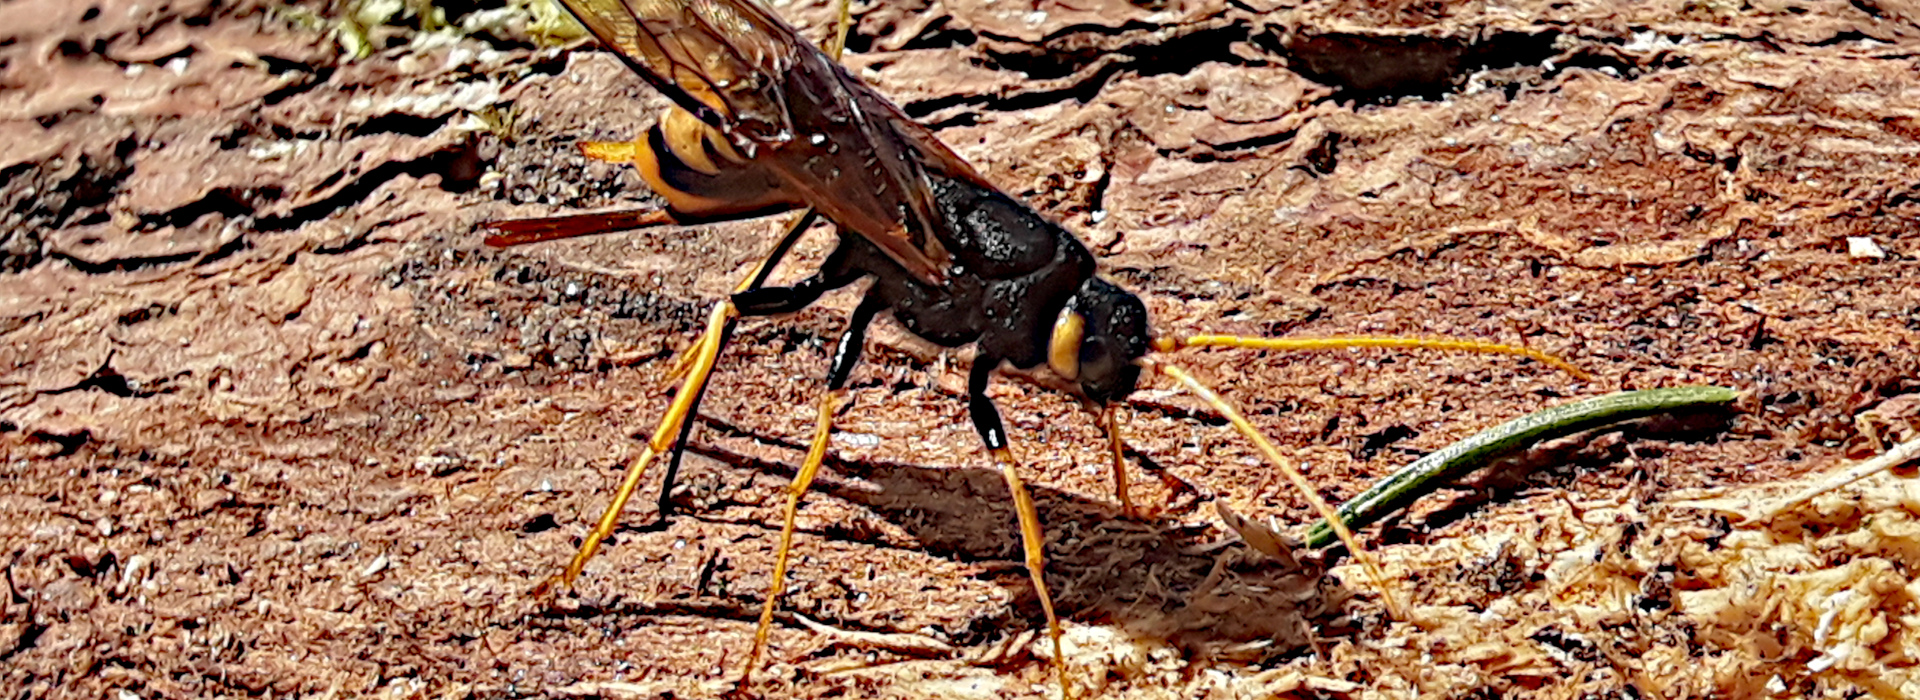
1369,341
1299,481
1163,346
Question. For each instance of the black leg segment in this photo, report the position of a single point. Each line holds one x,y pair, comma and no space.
770,301
986,418
847,353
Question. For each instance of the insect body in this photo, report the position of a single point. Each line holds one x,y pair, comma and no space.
763,122
1020,288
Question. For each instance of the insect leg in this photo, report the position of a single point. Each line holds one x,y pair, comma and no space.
676,415
772,301
698,385
845,356
986,420
695,365
1110,424
769,301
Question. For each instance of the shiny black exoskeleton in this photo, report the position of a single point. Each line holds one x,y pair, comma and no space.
1016,277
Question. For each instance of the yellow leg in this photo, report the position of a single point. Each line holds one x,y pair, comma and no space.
816,454
1034,542
701,365
1112,425
694,366
683,364
715,335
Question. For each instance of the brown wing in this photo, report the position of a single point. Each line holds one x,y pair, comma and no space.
832,141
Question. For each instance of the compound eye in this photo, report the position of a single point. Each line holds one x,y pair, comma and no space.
1099,360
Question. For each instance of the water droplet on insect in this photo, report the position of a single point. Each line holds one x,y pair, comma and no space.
817,139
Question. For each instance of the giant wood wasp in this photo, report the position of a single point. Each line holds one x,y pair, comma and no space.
764,122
